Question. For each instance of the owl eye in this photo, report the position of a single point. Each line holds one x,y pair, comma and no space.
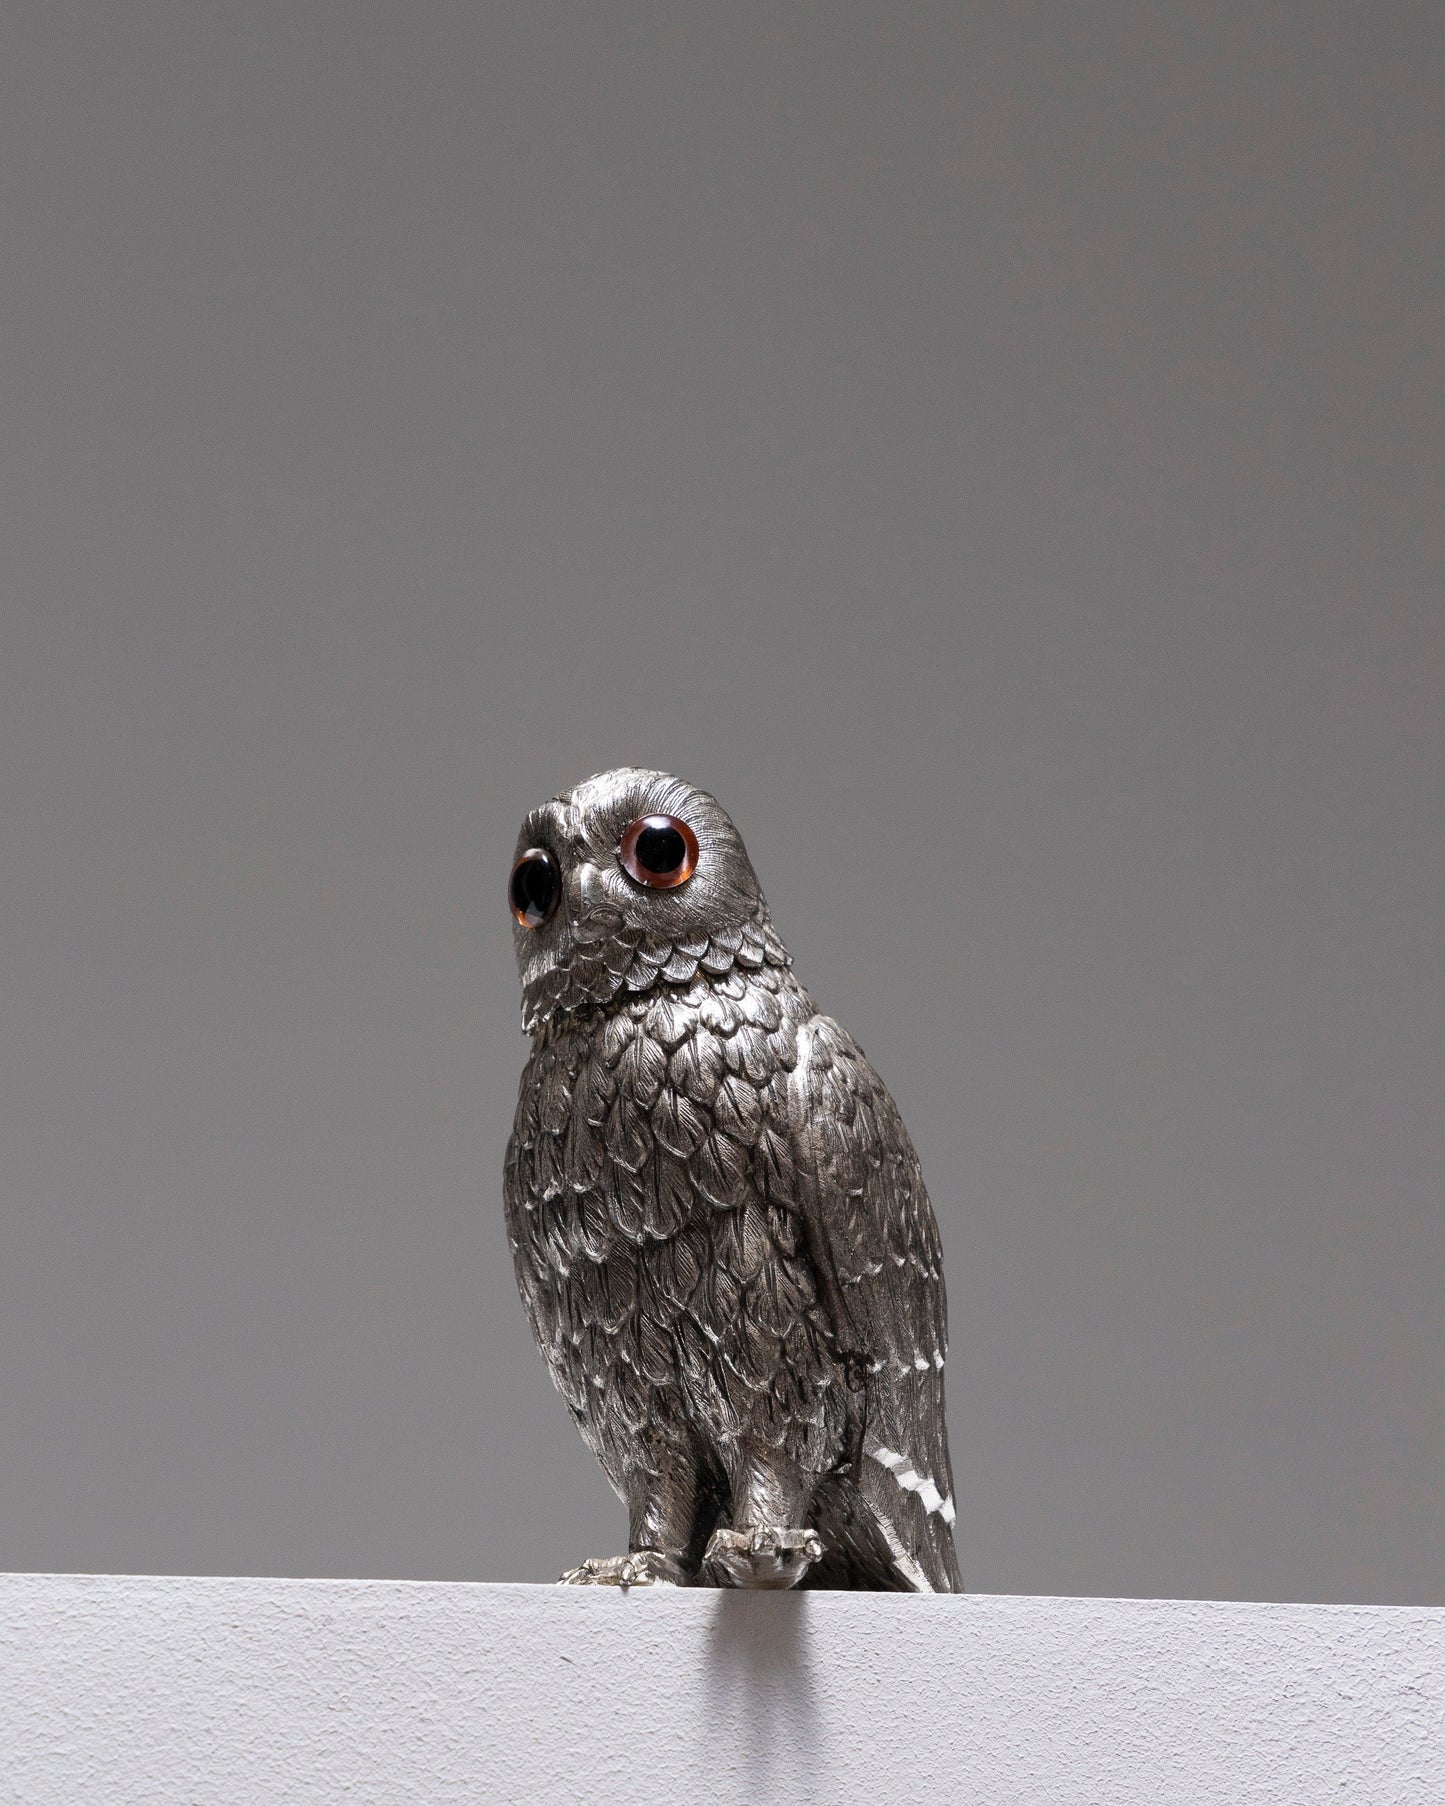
659,851
534,887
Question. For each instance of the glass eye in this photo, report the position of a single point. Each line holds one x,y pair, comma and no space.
534,887
659,851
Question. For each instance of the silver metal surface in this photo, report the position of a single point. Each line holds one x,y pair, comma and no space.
720,1230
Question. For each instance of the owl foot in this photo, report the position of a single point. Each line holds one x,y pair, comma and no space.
643,1568
763,1555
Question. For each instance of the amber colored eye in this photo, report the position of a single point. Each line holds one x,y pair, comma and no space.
534,887
659,851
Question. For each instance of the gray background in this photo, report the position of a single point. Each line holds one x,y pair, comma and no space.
997,450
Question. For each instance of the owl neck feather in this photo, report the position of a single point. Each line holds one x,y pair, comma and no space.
627,963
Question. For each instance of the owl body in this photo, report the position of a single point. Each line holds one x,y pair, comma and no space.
718,1225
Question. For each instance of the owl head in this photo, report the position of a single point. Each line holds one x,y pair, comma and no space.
632,879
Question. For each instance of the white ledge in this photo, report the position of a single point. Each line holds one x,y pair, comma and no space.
120,1689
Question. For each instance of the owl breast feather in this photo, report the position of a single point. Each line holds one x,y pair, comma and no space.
654,1207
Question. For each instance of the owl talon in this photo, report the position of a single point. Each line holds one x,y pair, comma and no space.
642,1568
762,1556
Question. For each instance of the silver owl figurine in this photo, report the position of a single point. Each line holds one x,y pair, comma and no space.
719,1225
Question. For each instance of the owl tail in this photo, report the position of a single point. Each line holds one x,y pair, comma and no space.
888,1519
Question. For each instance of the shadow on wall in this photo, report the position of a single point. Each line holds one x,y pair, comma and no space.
760,1687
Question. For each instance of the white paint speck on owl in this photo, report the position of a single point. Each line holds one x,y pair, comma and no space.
911,1480
118,1691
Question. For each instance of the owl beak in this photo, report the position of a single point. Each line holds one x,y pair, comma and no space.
593,917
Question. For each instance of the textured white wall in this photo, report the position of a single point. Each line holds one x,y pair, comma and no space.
123,1690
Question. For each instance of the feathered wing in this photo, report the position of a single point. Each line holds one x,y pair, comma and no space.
874,1240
